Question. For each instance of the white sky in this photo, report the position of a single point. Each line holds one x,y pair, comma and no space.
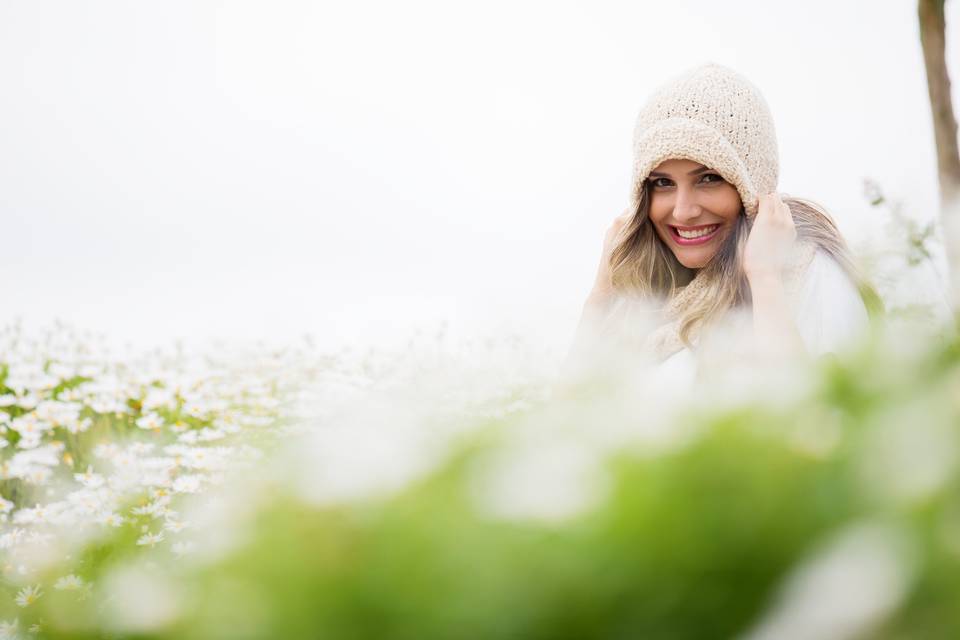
355,169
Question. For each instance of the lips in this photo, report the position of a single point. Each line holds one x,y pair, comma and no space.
702,234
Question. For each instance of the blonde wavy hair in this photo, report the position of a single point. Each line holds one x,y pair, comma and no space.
642,265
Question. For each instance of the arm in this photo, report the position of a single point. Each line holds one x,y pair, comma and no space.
594,310
774,329
771,238
601,297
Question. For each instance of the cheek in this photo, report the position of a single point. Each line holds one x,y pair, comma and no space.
658,211
728,204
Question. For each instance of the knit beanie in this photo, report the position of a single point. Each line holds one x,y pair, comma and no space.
712,115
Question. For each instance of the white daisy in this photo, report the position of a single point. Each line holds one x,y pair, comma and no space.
28,595
8,630
150,539
150,421
69,583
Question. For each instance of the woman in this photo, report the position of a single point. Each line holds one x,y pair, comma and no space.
708,238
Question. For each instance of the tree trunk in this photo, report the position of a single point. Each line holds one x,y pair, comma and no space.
933,42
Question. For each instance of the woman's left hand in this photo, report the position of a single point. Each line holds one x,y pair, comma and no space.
771,239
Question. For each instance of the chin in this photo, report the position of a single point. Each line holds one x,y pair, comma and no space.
694,261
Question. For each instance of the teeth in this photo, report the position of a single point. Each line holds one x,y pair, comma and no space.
698,233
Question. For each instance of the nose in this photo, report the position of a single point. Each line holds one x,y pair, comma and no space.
686,209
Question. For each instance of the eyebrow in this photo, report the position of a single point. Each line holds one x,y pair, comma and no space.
657,174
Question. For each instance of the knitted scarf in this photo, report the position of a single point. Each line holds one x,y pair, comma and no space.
664,339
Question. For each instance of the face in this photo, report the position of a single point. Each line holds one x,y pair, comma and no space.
692,209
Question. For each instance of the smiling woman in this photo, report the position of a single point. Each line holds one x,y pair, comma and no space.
706,236
693,210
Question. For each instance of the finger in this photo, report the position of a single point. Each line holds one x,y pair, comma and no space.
766,204
785,208
779,206
761,202
776,205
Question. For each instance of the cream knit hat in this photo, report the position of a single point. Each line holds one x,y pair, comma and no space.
714,116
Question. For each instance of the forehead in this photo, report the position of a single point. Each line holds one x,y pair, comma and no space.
677,165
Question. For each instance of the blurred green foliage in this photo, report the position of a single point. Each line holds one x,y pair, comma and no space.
694,540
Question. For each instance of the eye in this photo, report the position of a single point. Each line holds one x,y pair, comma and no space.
714,177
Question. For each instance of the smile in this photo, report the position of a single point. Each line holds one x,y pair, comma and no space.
687,236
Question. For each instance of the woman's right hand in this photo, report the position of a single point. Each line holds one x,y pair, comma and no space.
603,285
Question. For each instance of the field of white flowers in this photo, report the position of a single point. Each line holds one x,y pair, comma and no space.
97,449
467,491
113,459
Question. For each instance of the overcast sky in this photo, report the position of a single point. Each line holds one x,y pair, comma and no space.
356,169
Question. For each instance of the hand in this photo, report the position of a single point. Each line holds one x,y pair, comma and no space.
771,239
603,285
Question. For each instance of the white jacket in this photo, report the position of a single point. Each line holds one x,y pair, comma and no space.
827,309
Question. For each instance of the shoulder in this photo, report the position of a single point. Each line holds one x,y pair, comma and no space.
828,308
825,277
